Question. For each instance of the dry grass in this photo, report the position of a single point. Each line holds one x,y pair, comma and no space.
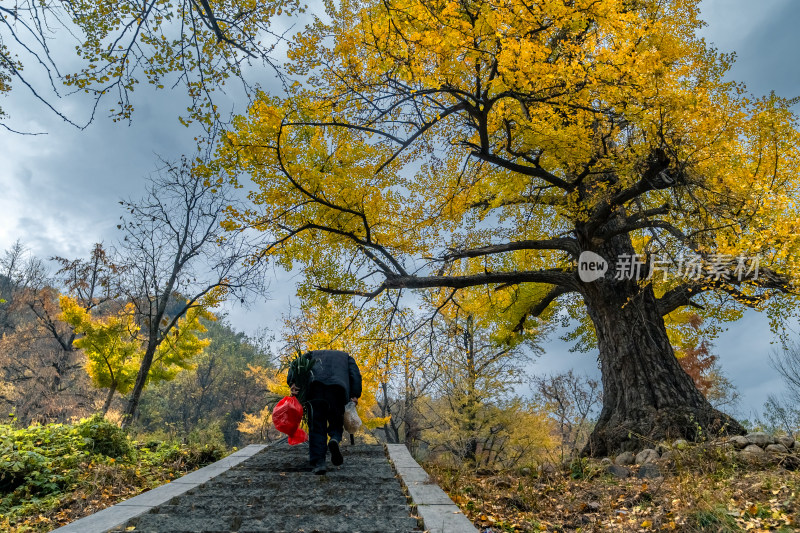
704,489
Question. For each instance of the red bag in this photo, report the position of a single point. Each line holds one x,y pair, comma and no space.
287,416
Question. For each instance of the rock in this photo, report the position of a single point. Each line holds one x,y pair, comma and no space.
648,455
680,444
752,452
525,471
605,461
503,483
777,448
790,462
593,507
785,440
739,441
547,469
625,458
649,471
618,471
759,438
667,456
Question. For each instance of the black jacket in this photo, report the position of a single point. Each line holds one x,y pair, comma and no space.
334,367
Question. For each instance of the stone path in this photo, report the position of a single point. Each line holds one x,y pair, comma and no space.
275,491
271,489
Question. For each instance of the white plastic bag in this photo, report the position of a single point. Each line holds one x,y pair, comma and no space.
352,422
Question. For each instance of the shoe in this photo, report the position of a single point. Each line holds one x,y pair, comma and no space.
336,454
319,470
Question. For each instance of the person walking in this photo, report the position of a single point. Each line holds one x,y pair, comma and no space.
336,378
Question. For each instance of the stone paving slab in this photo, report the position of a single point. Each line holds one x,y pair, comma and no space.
105,519
413,474
443,519
437,510
428,494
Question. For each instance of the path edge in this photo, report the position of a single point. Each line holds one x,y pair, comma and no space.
438,512
120,513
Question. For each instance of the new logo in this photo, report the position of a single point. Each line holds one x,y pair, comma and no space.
591,266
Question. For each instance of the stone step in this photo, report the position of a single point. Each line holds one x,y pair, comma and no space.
260,508
158,523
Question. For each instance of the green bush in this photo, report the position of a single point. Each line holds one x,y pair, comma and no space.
105,437
38,460
40,464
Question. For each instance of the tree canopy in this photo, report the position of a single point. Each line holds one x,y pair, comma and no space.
484,146
443,131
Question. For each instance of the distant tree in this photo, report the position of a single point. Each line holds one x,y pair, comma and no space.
178,261
781,411
787,362
109,344
573,403
474,389
42,373
781,414
91,282
216,393
20,272
410,374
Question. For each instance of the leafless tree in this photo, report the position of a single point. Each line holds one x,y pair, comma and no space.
787,363
572,401
41,373
175,255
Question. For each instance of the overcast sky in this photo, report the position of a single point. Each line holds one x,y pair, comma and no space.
59,192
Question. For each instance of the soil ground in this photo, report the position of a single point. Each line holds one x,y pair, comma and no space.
275,491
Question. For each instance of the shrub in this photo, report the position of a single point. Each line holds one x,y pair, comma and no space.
38,460
105,437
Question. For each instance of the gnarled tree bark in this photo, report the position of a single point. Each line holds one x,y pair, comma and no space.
647,396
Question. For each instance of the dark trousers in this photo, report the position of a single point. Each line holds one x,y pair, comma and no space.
326,418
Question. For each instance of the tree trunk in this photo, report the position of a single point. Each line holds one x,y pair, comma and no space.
471,404
141,380
107,404
647,396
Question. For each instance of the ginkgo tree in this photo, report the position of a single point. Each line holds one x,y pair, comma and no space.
500,147
114,346
112,352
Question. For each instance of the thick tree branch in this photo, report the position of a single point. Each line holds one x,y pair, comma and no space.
551,276
566,244
526,170
541,306
564,278
682,295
